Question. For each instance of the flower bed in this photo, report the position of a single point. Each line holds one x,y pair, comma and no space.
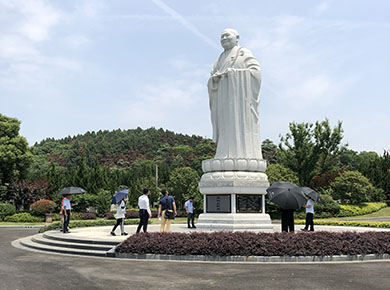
258,244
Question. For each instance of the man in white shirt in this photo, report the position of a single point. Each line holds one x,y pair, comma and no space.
309,214
189,206
66,211
144,211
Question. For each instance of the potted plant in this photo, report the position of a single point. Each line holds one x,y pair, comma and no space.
44,208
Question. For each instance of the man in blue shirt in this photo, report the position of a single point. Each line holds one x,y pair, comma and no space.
166,204
189,206
66,210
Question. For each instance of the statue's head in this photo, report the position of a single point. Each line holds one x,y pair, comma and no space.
229,38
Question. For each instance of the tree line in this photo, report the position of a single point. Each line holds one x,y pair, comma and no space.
104,162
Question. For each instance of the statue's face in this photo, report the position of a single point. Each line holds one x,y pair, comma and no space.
228,39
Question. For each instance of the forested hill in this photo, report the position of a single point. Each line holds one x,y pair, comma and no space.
120,148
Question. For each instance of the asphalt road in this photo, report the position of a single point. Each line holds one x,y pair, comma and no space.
21,269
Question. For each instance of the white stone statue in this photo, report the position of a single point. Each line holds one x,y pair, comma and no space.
234,88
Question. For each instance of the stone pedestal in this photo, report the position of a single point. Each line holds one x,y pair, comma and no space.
234,195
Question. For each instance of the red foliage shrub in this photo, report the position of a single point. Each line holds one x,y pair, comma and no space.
258,244
42,207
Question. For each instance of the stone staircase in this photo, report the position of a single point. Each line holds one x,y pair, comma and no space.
50,242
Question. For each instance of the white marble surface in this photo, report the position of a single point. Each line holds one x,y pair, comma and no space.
234,164
234,87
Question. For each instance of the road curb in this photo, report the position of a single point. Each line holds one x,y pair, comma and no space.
255,259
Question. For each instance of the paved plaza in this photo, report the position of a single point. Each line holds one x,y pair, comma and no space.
21,269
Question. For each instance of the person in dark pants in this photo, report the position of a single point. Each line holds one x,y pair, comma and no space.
190,210
66,211
287,220
144,211
309,214
120,217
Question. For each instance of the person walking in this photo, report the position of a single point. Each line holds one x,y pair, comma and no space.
66,208
144,210
166,211
309,205
120,217
190,210
287,220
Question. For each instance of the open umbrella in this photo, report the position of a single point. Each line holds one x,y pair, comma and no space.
71,190
314,195
119,196
286,195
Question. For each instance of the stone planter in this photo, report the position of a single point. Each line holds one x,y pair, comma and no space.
49,218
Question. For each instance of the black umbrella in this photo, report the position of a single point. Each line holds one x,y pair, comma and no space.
119,196
71,190
286,195
314,195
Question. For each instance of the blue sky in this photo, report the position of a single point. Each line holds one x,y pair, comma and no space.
68,67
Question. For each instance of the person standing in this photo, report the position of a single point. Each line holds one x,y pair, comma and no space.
62,218
144,210
287,220
166,211
309,214
66,208
120,218
189,207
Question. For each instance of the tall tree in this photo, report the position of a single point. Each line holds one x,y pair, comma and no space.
309,150
15,155
269,150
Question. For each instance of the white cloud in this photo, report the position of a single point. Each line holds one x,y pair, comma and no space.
76,41
35,18
294,69
323,6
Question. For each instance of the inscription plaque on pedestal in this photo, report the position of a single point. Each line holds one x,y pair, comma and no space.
248,203
218,203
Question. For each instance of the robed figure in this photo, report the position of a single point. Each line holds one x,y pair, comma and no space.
234,88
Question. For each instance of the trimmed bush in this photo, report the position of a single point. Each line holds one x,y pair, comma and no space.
258,244
134,214
6,209
23,217
42,207
86,223
347,223
360,209
88,215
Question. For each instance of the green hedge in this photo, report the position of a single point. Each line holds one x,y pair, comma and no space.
361,209
23,217
87,223
6,209
347,223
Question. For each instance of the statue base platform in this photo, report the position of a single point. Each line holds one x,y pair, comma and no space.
256,222
234,200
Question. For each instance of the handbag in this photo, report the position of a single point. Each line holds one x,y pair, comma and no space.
169,214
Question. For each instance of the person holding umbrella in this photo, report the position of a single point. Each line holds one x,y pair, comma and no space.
120,200
66,208
288,197
309,205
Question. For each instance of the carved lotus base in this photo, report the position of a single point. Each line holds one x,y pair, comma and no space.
234,164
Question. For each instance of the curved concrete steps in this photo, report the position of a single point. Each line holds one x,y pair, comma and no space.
53,243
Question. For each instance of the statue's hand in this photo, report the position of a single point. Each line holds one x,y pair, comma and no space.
216,77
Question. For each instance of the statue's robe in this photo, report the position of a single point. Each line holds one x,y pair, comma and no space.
234,105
